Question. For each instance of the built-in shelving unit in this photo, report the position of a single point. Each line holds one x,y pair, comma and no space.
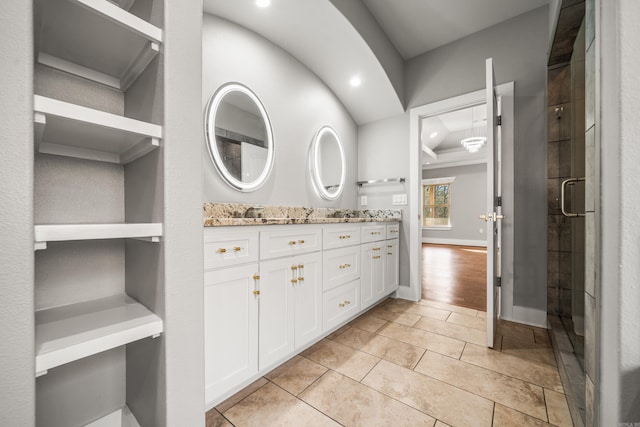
68,333
111,47
96,40
66,129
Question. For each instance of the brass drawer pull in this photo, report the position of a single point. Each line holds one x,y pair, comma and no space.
300,279
389,253
301,242
256,292
256,277
341,305
294,267
237,249
375,249
346,236
347,302
294,281
292,242
376,257
221,250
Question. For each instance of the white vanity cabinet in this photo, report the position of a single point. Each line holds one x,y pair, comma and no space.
273,290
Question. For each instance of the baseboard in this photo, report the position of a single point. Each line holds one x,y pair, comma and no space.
460,242
528,316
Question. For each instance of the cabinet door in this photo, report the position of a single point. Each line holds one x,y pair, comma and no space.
276,310
230,328
393,266
373,272
308,299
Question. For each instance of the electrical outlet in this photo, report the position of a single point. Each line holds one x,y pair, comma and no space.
363,200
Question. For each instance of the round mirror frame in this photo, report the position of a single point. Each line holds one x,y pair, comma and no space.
210,134
314,165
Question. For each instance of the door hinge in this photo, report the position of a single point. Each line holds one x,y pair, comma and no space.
499,201
498,120
498,281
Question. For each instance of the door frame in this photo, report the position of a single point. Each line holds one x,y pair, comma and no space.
506,90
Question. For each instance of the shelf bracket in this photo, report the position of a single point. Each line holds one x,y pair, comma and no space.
41,373
39,122
39,246
155,336
152,239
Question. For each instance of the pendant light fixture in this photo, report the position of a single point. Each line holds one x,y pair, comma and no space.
475,137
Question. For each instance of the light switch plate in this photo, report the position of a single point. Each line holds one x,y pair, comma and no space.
363,200
399,199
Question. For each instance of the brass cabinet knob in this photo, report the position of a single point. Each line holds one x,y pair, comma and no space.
237,249
256,277
301,241
221,250
341,305
292,242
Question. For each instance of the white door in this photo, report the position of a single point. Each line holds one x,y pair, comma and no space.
276,310
493,215
230,328
308,299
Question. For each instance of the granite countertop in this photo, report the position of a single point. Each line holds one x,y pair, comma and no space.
225,214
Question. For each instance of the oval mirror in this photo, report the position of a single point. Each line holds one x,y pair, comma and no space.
327,164
239,137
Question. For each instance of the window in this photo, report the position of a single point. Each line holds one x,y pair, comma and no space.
436,202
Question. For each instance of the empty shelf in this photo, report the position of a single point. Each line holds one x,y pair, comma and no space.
66,129
105,44
67,232
72,332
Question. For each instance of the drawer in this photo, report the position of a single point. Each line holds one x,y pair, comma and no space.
373,232
340,304
223,248
293,240
339,236
393,230
340,266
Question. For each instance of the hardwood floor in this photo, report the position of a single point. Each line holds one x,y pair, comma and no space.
455,275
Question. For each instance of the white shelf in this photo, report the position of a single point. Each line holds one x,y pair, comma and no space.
105,43
66,232
119,418
72,332
66,129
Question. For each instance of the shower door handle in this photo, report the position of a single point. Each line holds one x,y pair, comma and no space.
570,181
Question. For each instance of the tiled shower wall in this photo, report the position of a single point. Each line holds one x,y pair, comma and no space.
559,121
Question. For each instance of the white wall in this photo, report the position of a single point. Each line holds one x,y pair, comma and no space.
519,49
468,200
298,104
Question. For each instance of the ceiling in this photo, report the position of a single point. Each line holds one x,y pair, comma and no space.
445,131
338,39
418,26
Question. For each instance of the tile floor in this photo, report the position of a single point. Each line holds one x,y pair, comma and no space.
409,364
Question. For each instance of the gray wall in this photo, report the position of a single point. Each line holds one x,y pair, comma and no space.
17,393
468,200
518,47
298,104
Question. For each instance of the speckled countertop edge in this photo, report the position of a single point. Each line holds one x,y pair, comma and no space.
232,214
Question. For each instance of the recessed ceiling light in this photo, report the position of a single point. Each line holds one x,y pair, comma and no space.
433,135
355,81
263,3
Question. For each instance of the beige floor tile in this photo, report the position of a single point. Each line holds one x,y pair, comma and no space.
353,404
528,350
296,374
558,409
215,419
396,302
337,332
535,373
449,307
473,322
482,314
516,330
435,398
424,339
423,310
368,322
241,394
511,392
542,337
507,417
352,363
396,317
452,330
441,424
272,406
397,352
